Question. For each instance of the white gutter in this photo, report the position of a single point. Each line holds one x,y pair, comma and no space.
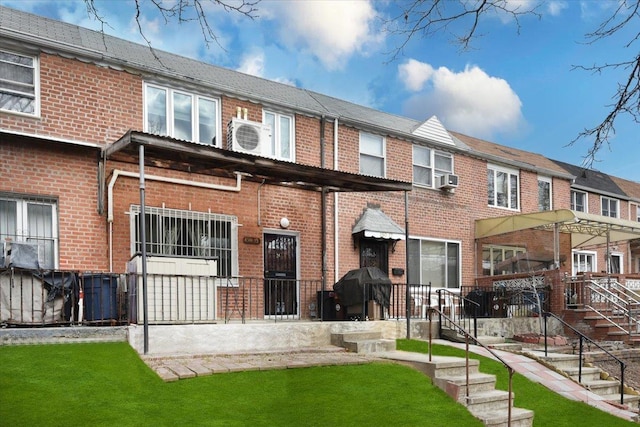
117,173
336,251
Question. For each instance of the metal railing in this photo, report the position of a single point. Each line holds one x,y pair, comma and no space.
581,339
606,297
468,337
58,297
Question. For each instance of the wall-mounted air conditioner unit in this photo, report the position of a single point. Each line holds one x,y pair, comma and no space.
246,136
448,181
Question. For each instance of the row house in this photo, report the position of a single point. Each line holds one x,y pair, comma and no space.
106,144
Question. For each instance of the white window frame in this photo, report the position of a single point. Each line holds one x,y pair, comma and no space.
35,66
195,113
547,180
585,201
368,153
620,257
22,232
184,215
446,242
433,172
277,135
590,254
511,173
609,200
635,206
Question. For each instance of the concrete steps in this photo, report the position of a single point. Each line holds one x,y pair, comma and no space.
363,342
483,401
591,378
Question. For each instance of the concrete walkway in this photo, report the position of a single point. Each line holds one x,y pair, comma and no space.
173,368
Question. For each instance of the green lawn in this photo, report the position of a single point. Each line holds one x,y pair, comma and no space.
108,385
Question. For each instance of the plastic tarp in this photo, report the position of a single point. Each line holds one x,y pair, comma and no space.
31,297
364,284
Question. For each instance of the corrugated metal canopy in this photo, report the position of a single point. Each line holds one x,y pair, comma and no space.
585,229
166,152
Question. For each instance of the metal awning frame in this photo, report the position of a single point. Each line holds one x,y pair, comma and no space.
585,229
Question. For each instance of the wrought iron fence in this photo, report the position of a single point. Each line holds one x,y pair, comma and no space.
38,298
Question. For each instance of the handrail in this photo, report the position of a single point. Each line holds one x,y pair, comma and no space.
467,336
460,305
584,337
613,299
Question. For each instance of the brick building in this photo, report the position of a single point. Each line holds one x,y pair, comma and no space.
253,178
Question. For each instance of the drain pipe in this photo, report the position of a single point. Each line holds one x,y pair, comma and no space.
118,173
336,251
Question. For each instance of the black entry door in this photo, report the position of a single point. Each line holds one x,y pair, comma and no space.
374,253
280,266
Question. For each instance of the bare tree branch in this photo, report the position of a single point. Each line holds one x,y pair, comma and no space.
182,11
426,18
627,95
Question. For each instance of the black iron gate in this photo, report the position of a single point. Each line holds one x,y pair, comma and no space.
280,267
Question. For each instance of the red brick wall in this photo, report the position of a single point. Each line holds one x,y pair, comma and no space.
69,174
82,102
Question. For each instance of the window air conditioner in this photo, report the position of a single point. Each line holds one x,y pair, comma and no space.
448,181
246,136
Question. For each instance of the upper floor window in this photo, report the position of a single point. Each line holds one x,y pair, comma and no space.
282,135
31,220
429,165
182,115
503,189
372,157
637,212
189,234
544,193
578,201
436,262
18,83
609,207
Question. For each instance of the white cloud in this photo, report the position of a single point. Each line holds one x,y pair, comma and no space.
414,74
252,63
469,101
332,31
555,8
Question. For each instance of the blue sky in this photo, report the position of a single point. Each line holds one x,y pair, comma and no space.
515,87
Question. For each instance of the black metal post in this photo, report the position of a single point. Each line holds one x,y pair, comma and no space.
143,244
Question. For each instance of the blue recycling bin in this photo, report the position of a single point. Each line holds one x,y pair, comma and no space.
100,293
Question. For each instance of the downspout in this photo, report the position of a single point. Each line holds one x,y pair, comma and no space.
323,207
117,173
336,252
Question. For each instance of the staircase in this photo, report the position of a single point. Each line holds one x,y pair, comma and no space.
363,342
482,400
592,378
604,309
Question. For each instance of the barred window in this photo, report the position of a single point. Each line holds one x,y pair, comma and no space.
31,220
181,233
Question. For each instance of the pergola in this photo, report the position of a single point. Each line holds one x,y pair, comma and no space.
585,229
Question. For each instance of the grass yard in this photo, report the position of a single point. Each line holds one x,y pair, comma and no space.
550,408
108,385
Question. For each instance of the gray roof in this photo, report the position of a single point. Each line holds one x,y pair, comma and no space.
58,36
591,179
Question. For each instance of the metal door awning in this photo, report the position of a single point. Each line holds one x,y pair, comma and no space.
585,229
376,224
